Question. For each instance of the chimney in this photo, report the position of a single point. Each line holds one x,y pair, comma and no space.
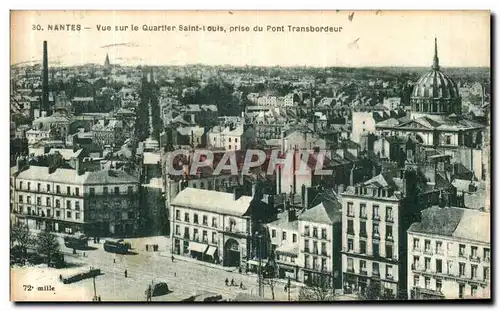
237,193
20,163
291,215
351,177
45,79
78,166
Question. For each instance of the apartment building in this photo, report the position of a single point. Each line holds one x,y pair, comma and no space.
449,254
371,240
320,229
100,203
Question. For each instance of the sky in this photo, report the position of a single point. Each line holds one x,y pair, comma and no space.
369,38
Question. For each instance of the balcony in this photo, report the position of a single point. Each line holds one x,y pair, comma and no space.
376,217
389,219
389,238
363,272
376,274
376,236
350,232
351,270
363,234
428,251
350,215
236,231
389,277
416,249
365,216
474,258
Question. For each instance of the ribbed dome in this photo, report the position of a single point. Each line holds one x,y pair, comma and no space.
435,84
435,92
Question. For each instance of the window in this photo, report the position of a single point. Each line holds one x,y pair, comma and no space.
58,189
427,283
416,262
38,201
461,250
427,245
236,140
439,285
350,264
486,273
350,245
28,199
375,269
195,234
77,206
77,215
306,246
473,271
48,187
273,233
388,232
323,248
449,247
362,210
315,263
58,203
388,251
376,249
77,191
416,280
439,266
350,209
416,244
68,214
315,247
214,222
229,140
130,190
362,265
68,190
315,232
376,212
362,247
294,238
375,231
21,185
177,230
105,190
439,247
283,237
186,232
388,271
214,237
29,186
177,215
47,201
92,191
39,187
186,217
117,190
58,213
427,263
362,228
306,261
473,290
205,236
20,199
350,226
448,139
229,146
195,218
323,264
486,254
388,213
461,267
68,204
450,267
461,290
323,234
48,213
306,230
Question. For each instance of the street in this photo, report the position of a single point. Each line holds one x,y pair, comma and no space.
182,277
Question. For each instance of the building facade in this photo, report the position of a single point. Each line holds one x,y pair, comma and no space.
449,254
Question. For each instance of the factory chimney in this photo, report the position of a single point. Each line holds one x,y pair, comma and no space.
45,80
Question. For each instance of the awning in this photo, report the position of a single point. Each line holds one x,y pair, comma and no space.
211,250
197,247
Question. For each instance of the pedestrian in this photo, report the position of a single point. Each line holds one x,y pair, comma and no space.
172,258
98,240
99,298
175,273
60,277
95,240
83,254
147,249
232,282
114,260
227,281
74,251
241,285
239,269
125,273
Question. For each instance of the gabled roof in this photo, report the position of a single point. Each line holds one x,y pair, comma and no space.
322,214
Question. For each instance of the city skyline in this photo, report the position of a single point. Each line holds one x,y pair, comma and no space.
463,40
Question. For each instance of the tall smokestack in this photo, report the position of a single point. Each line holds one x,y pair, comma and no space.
45,80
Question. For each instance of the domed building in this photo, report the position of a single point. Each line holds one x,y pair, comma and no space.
435,93
435,119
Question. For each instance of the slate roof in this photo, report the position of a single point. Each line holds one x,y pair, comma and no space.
212,201
283,223
454,222
322,214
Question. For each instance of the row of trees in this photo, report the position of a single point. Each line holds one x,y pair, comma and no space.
21,239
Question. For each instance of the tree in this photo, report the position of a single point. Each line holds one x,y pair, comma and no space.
373,291
20,237
271,282
320,290
47,245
